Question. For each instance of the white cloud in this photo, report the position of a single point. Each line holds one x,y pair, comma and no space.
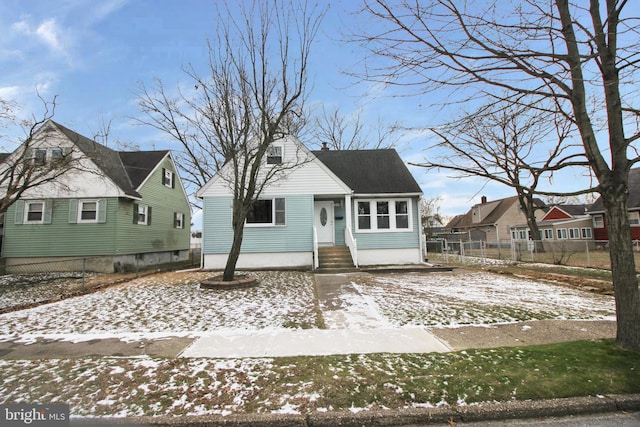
9,92
49,32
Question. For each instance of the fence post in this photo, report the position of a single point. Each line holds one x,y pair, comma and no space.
461,252
84,267
588,255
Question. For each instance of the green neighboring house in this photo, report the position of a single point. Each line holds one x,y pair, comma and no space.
118,210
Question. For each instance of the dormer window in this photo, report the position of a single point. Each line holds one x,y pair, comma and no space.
40,157
168,178
274,155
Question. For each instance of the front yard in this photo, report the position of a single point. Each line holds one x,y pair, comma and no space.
171,304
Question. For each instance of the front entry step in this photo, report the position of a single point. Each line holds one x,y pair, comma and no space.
335,259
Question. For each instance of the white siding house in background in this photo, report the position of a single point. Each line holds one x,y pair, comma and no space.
365,200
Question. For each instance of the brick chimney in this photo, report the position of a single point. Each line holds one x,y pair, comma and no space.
324,147
483,200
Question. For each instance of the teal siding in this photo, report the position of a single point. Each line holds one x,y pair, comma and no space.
391,240
295,236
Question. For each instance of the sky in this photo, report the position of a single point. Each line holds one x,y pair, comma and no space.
93,55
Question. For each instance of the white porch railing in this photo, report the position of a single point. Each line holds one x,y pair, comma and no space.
352,244
316,258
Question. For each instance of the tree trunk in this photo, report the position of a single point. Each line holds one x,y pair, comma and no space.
625,283
236,245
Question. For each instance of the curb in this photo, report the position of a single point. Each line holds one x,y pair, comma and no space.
490,411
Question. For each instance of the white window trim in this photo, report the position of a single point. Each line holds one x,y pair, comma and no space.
273,215
634,220
546,232
564,232
275,147
28,203
168,174
574,233
598,221
179,218
373,206
582,233
146,214
88,221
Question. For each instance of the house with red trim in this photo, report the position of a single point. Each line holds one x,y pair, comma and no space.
560,222
633,210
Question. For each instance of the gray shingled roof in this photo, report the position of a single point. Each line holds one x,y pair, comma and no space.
634,194
126,169
573,210
370,171
501,206
139,164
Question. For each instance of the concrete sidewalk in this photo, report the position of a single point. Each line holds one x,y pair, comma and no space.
315,342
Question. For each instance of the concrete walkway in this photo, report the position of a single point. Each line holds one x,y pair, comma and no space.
339,337
315,342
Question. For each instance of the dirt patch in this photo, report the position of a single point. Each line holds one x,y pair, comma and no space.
56,349
524,333
587,284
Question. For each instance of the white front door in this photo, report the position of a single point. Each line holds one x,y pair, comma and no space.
324,222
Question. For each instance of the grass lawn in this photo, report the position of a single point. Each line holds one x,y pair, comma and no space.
134,387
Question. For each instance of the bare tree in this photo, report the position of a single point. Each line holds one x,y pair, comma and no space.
24,169
430,215
252,95
350,132
580,56
104,136
517,145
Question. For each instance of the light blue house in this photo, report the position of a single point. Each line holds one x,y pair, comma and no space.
363,200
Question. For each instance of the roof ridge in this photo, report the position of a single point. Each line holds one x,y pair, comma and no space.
82,142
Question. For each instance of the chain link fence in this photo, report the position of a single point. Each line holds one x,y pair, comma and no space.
578,253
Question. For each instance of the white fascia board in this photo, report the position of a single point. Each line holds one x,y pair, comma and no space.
386,195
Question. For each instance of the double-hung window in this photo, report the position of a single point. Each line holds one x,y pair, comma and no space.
402,214
364,215
34,212
178,220
88,211
274,155
586,233
141,214
382,212
267,212
598,221
547,234
40,157
383,215
168,178
562,233
574,233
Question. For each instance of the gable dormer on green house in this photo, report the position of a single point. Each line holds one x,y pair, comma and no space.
118,210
